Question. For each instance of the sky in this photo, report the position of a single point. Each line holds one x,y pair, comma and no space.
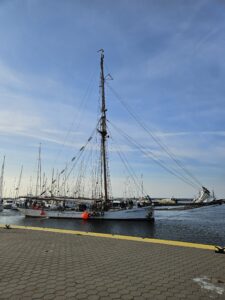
166,59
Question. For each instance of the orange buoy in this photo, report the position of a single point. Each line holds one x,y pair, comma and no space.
85,215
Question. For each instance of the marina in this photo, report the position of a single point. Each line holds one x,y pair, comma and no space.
92,198
112,139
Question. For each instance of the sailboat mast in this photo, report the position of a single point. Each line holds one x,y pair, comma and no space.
19,182
103,128
1,179
38,183
52,186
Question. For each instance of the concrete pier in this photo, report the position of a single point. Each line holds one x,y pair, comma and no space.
63,264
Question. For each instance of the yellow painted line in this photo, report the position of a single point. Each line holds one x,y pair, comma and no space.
116,236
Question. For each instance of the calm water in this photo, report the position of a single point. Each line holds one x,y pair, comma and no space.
202,225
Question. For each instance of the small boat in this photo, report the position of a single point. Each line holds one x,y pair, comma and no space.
204,197
103,208
165,201
8,203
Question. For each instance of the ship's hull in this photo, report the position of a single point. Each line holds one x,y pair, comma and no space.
1,207
7,206
144,213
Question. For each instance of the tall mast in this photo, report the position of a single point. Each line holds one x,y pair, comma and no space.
1,179
38,183
142,187
52,186
103,128
19,182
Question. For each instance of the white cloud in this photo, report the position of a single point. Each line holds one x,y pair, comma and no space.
24,113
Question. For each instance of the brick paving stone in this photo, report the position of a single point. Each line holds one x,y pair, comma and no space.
48,297
47,265
93,297
81,296
126,297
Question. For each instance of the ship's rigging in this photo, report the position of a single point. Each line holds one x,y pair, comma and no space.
89,160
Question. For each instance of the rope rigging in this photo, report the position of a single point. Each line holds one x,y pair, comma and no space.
74,162
155,138
153,156
128,166
81,108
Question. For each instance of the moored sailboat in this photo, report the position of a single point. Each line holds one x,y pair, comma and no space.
41,208
96,208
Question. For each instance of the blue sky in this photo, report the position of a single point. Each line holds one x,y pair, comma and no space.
167,62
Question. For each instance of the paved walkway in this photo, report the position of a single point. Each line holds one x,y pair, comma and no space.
51,265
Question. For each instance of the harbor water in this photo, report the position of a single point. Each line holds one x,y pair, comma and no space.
204,225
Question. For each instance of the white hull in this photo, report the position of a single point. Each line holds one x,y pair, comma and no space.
7,206
204,197
144,213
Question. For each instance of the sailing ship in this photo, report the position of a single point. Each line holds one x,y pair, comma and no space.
102,208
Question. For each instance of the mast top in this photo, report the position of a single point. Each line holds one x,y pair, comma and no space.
101,50
102,54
